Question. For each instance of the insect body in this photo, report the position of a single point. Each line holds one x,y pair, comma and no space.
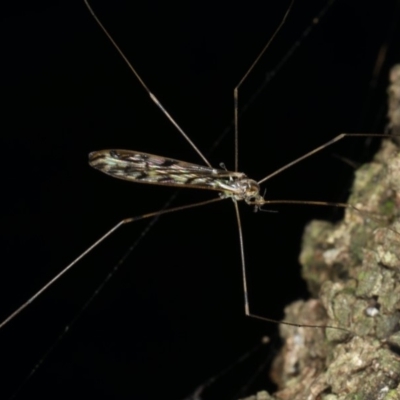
148,168
157,169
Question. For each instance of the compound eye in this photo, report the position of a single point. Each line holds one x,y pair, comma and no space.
253,188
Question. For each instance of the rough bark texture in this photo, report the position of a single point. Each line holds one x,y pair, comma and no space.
352,270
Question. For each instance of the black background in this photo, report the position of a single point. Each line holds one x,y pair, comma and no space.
173,314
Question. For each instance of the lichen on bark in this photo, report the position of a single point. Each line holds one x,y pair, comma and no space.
352,269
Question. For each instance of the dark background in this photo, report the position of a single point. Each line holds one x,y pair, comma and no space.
173,314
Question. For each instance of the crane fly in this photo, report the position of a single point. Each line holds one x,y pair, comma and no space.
148,168
142,167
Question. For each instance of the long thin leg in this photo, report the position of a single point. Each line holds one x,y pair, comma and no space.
318,149
270,75
236,90
94,245
152,96
245,292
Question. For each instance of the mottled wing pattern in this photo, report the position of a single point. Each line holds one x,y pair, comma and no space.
140,167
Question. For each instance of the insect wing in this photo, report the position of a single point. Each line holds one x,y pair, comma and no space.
148,168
